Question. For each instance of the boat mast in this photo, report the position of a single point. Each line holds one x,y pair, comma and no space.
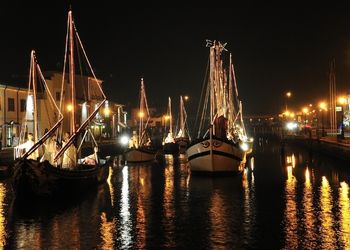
170,117
182,125
34,96
84,124
72,73
35,68
141,114
211,82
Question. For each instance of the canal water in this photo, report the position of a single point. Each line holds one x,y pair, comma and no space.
285,199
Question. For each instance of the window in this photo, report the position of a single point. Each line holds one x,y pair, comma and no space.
58,96
10,104
23,105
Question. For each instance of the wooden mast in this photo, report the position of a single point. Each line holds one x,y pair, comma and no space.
141,113
170,117
35,68
35,105
182,125
72,73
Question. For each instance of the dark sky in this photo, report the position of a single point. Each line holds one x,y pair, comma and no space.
274,49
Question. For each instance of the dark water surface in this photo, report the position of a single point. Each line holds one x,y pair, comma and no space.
282,201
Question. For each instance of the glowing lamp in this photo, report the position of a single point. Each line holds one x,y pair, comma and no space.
69,107
124,140
244,146
106,111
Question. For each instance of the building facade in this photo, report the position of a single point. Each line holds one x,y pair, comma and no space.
110,120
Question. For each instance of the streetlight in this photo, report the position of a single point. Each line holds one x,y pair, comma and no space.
69,107
323,108
288,95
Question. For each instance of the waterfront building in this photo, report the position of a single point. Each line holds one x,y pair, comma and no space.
14,102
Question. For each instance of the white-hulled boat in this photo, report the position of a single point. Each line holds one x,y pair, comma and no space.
215,155
139,155
140,146
182,138
169,144
223,147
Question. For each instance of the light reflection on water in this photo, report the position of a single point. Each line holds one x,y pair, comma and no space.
315,216
308,217
299,203
168,203
125,224
344,206
290,211
249,203
327,220
3,232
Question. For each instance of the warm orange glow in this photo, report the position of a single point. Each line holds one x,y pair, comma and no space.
323,105
141,114
287,113
326,215
344,204
307,176
292,115
342,100
308,215
107,232
290,219
289,94
305,110
110,185
2,216
186,97
69,107
106,111
167,117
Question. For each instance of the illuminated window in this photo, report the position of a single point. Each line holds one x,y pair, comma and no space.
10,104
23,105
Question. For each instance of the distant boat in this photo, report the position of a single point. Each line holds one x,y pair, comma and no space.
51,177
140,146
182,137
223,145
169,144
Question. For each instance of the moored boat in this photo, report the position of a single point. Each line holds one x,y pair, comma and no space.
182,139
59,171
222,147
140,145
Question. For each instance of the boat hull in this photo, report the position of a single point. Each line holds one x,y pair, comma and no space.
138,155
41,179
171,148
215,156
183,144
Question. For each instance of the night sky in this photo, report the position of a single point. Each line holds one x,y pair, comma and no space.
274,49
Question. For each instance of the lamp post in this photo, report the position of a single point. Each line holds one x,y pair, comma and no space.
288,95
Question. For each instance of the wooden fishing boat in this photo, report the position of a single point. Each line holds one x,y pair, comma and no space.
47,177
169,144
140,147
182,138
222,148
